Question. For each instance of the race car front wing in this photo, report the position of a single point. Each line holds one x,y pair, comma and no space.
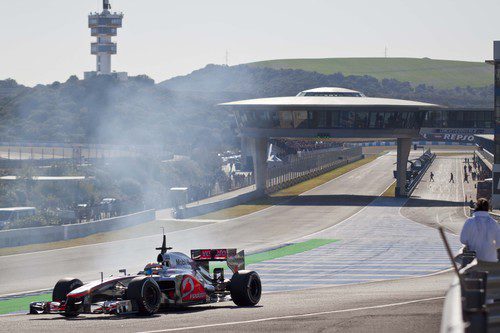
106,307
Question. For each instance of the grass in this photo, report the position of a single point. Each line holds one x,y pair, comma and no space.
287,250
391,191
438,73
21,304
285,194
279,252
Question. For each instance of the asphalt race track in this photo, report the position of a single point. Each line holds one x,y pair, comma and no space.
311,212
377,307
444,200
342,286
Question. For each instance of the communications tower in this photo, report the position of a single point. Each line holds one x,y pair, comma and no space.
104,26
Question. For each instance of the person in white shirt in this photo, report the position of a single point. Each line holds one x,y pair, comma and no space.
481,233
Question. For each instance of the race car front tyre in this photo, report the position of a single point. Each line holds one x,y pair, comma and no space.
62,288
146,293
246,288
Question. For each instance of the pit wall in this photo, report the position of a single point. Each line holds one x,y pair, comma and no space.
27,236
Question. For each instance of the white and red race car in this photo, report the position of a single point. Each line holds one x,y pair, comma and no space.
175,280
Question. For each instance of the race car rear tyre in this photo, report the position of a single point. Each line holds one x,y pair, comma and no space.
62,288
146,293
246,288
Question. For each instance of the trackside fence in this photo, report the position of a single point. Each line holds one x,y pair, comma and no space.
427,158
309,166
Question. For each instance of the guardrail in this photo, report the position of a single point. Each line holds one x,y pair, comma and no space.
416,180
452,320
282,177
308,167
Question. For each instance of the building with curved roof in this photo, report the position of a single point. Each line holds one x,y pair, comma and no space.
328,113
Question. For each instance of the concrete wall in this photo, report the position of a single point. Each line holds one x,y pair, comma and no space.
26,236
218,205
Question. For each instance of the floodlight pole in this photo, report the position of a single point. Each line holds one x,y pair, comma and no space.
495,197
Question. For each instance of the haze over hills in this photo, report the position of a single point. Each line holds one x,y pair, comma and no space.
254,81
438,73
182,113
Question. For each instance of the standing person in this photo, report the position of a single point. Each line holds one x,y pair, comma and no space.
481,234
432,177
452,180
465,168
466,178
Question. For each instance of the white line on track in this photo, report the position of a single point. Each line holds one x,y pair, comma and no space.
304,315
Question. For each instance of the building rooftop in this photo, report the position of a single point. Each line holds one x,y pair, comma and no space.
326,101
330,90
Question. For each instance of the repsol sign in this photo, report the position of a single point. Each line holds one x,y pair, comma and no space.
458,137
465,135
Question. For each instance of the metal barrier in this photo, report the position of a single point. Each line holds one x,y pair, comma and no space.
308,167
412,185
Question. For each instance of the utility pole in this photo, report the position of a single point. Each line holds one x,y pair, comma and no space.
495,198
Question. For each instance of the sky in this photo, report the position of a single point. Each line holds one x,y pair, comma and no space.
47,41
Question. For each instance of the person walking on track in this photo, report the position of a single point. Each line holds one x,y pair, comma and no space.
432,177
452,180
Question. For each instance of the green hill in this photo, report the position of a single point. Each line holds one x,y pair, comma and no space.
438,73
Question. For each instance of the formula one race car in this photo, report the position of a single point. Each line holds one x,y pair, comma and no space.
175,280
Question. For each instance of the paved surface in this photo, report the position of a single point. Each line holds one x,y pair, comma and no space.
352,308
376,244
311,212
441,202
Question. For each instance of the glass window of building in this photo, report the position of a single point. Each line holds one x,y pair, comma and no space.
389,119
300,119
376,120
286,119
361,119
274,119
335,119
318,119
347,119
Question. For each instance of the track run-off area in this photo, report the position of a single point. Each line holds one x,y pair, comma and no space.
381,271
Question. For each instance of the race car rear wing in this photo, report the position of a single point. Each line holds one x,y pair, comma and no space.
235,260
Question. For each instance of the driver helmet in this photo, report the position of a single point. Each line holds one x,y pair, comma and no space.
152,268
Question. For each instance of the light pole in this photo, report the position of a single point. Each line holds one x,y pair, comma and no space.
495,197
